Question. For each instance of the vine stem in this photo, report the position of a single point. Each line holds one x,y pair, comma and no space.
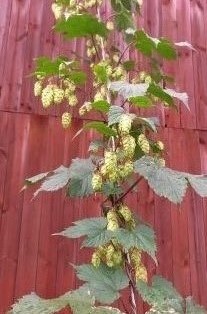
132,287
129,190
116,201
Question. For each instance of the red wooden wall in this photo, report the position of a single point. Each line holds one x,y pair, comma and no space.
30,258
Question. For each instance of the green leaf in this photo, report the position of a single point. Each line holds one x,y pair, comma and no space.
93,228
101,73
141,101
128,90
164,181
96,145
48,67
56,181
35,179
80,302
81,25
100,127
114,115
34,304
123,20
198,183
161,295
142,237
110,188
81,171
77,77
101,105
180,96
191,307
166,49
157,91
152,122
144,43
103,282
80,188
129,65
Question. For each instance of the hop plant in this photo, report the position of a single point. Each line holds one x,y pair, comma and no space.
109,255
66,120
126,213
47,96
129,145
126,169
96,259
72,100
113,175
135,256
58,95
96,182
117,258
143,143
160,145
161,162
112,220
110,161
141,273
118,72
125,124
38,88
57,10
110,26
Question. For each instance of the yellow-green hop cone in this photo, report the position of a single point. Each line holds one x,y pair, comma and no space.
103,170
118,72
142,76
161,162
38,88
117,258
70,87
110,161
113,175
96,260
148,79
141,273
126,213
135,256
128,169
96,182
110,26
72,100
66,120
58,95
109,255
112,221
160,145
125,124
144,143
129,145
47,96
57,10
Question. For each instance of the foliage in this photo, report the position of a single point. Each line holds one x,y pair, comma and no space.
123,153
165,299
80,301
